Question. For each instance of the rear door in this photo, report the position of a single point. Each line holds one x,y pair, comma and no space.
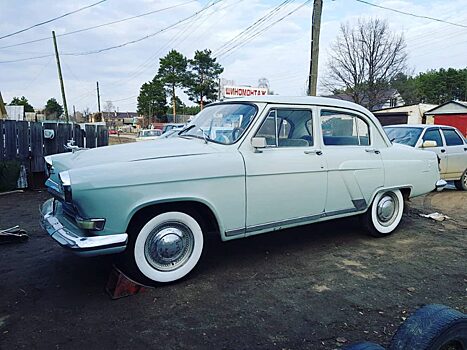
456,150
355,166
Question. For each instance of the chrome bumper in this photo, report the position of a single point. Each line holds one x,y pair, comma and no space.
68,235
440,185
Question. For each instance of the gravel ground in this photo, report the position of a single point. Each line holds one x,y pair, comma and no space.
300,288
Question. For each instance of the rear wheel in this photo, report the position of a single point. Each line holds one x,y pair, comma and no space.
385,213
462,183
165,249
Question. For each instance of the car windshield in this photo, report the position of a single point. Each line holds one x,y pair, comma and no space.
221,123
405,135
149,133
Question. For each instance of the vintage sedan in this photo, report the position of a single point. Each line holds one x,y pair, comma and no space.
446,141
242,167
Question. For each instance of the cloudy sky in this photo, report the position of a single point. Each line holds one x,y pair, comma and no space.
280,53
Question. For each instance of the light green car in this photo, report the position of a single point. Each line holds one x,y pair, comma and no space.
240,168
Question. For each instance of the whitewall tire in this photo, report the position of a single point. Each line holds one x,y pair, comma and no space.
168,247
385,213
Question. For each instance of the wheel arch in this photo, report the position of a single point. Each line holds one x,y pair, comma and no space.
201,210
406,191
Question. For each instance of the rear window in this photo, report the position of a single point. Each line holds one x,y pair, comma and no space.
452,138
405,135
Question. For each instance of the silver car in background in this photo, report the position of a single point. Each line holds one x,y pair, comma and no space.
446,141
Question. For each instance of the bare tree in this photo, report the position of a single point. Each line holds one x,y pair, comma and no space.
108,108
363,59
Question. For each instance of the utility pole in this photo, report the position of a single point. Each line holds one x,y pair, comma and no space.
74,114
98,98
315,29
62,86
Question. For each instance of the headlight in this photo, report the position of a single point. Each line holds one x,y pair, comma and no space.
65,183
90,224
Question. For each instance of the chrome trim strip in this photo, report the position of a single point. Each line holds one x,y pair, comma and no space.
70,236
287,222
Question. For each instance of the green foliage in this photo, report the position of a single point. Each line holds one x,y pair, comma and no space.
202,82
152,99
191,110
53,110
23,101
433,86
172,73
9,173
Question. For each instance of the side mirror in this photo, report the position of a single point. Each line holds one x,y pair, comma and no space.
429,143
258,142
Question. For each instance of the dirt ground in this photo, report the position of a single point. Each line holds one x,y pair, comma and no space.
294,289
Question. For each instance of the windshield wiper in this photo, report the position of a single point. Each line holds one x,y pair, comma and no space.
186,129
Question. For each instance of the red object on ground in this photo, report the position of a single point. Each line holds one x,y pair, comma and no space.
119,285
458,121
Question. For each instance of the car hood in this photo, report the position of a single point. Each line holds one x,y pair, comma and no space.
132,152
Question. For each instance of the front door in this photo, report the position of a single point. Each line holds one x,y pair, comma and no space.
433,134
286,182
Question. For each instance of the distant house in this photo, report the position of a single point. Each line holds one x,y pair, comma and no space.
119,119
453,113
411,114
389,98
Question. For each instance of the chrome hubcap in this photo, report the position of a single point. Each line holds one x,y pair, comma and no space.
387,209
169,246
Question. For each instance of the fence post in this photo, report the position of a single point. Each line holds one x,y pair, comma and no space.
78,135
2,145
22,128
102,136
37,148
10,139
50,145
90,136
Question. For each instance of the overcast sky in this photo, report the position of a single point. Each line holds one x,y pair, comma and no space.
280,53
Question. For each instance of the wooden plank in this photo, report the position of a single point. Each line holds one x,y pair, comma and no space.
2,142
102,136
10,139
22,128
78,135
63,136
90,136
50,145
37,148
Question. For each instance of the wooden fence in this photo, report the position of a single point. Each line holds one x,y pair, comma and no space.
24,141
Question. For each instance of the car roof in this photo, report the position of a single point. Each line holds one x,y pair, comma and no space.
422,126
300,100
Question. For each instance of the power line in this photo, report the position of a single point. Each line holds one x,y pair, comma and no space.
260,31
52,19
100,25
412,14
119,45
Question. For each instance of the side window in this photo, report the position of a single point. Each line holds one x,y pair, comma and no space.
344,129
287,128
433,135
452,139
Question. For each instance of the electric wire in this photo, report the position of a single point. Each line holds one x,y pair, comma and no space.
52,19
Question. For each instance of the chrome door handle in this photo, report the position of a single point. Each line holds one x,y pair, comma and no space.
372,150
313,151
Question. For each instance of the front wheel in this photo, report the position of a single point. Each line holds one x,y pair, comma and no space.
384,214
462,183
167,247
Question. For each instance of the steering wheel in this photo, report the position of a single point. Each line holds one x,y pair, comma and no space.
236,132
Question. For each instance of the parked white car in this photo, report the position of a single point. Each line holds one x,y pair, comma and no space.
446,141
275,162
148,134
